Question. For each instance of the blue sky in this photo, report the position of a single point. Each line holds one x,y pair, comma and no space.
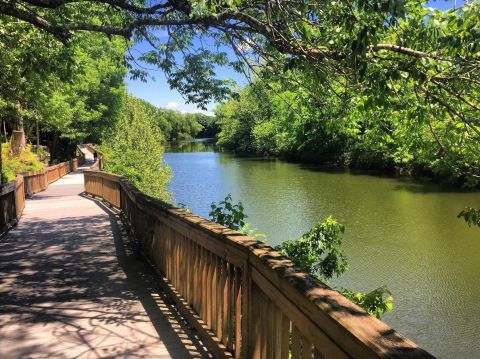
158,93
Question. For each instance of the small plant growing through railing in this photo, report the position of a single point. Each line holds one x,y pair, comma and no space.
184,207
317,252
471,216
232,216
228,214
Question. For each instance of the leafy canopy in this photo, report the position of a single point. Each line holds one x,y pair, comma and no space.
355,43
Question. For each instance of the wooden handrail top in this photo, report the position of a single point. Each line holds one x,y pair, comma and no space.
345,323
110,176
7,187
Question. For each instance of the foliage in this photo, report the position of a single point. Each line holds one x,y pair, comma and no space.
318,251
377,302
372,84
381,49
175,125
279,117
134,150
184,207
471,216
228,214
72,93
210,127
25,162
252,232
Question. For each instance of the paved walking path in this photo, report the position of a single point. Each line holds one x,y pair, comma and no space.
71,288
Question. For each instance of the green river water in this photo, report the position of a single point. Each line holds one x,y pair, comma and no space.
399,233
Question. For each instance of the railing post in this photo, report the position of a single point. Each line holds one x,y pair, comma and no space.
245,350
15,201
45,178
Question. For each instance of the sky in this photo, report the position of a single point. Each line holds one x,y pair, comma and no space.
158,93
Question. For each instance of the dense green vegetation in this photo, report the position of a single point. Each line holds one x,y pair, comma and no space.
27,160
471,216
385,123
69,94
175,125
282,119
60,96
317,252
370,84
134,151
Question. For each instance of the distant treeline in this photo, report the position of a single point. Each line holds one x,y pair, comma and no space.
175,125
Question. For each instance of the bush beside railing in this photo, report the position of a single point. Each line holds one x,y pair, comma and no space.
245,299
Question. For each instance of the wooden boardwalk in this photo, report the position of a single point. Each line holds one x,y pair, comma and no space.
71,288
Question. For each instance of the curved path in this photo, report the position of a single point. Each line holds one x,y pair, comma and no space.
71,288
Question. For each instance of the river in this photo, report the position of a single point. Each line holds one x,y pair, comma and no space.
399,232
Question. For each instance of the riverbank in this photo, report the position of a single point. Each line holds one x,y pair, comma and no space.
344,163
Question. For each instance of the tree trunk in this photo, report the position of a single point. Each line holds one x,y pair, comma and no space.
18,141
38,133
53,153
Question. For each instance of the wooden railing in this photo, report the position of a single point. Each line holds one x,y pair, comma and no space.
245,299
39,180
99,162
12,202
12,194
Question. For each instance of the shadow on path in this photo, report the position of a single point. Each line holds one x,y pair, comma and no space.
71,287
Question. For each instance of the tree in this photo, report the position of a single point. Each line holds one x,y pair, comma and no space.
383,50
134,150
362,42
70,93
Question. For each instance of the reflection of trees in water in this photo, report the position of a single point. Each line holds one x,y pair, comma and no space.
196,145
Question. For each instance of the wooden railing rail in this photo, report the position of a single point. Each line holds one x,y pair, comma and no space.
12,202
246,300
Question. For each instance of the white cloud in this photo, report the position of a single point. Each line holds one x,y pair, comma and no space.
207,113
183,108
245,45
172,104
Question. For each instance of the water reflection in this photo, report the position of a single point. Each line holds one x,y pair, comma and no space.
196,145
400,233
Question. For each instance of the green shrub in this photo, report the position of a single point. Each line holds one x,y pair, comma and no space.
471,216
12,165
228,214
134,150
318,251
